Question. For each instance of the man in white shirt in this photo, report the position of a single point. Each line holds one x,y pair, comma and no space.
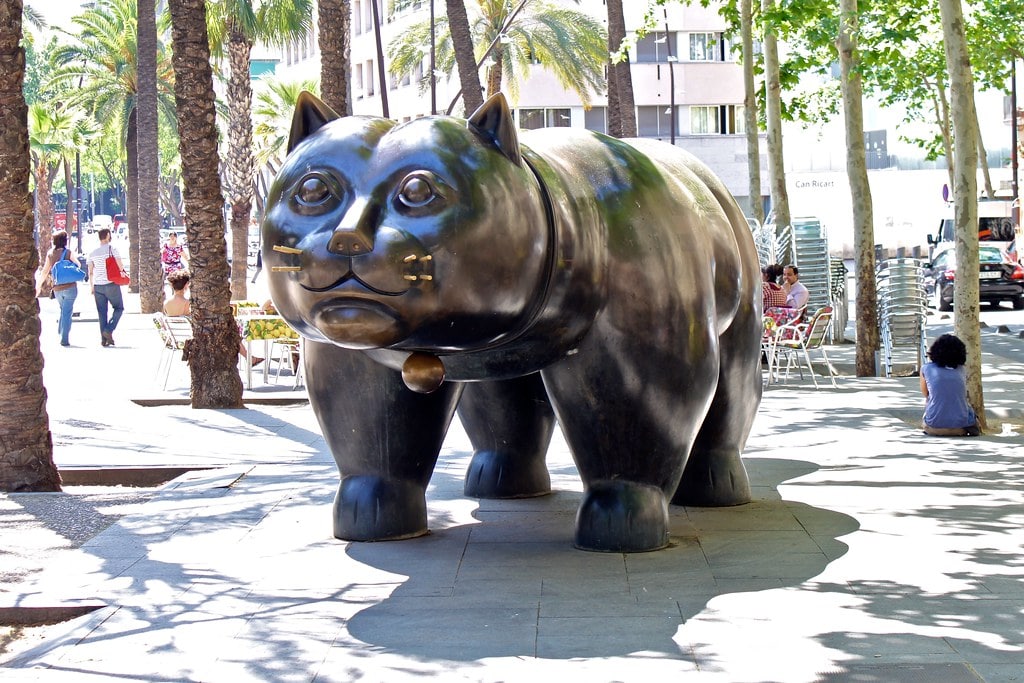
796,294
105,292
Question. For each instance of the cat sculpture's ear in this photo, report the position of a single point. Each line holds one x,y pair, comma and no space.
493,122
310,116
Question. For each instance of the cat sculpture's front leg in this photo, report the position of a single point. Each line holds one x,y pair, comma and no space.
384,438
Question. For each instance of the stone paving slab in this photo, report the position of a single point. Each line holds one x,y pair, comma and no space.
870,553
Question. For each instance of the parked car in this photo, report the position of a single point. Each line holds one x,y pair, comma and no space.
120,223
999,281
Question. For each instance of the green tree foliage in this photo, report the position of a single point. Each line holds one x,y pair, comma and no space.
571,44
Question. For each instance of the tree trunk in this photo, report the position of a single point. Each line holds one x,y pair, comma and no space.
750,110
945,126
965,198
131,197
860,190
26,449
213,353
239,170
335,19
494,74
150,271
43,213
982,156
773,116
621,104
462,45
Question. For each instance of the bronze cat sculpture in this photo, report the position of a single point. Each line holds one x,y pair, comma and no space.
437,263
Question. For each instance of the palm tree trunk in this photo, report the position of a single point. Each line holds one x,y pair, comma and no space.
131,197
966,320
213,354
43,213
335,20
462,44
240,164
26,450
621,105
494,74
150,271
860,190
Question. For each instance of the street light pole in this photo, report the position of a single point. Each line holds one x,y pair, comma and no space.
433,64
1013,136
670,58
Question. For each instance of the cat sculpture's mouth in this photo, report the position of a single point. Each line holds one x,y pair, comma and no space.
358,323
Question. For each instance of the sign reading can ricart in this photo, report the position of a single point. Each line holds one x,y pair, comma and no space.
815,184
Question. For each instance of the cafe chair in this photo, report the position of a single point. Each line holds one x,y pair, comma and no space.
797,340
174,332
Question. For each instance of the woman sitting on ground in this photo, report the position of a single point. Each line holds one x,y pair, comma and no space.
944,385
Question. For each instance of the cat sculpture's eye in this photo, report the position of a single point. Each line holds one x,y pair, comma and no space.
418,189
315,193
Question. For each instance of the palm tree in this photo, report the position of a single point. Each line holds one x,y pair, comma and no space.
150,271
571,44
465,58
26,450
235,25
53,133
213,354
335,39
272,123
103,58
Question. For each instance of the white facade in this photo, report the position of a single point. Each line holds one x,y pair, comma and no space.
707,98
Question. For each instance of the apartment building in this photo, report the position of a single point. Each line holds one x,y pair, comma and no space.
687,82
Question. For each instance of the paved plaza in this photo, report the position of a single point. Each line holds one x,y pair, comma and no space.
871,552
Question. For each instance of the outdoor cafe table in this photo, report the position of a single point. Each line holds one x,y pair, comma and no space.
267,329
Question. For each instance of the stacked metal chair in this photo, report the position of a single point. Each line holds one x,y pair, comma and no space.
810,255
902,311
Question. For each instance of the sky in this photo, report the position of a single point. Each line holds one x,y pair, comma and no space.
57,12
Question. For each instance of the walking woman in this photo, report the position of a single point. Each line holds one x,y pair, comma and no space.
64,294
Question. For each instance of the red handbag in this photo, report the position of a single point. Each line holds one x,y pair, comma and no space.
114,272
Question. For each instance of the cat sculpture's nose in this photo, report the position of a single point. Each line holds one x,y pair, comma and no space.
354,235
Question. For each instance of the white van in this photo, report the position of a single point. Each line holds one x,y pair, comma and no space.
100,221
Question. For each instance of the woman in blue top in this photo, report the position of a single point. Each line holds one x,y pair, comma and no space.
944,386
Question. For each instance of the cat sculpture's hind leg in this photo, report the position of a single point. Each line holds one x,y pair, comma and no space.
714,475
509,423
384,437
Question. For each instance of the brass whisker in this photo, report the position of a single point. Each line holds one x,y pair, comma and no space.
285,269
428,257
286,250
409,258
426,277
411,278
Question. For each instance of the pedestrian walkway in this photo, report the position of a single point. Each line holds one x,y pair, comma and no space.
871,552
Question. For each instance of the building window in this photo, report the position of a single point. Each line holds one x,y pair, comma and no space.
357,17
530,119
357,78
596,119
369,78
724,119
656,47
709,47
654,122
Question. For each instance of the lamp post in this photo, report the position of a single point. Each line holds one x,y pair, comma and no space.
1013,139
380,61
433,65
670,58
